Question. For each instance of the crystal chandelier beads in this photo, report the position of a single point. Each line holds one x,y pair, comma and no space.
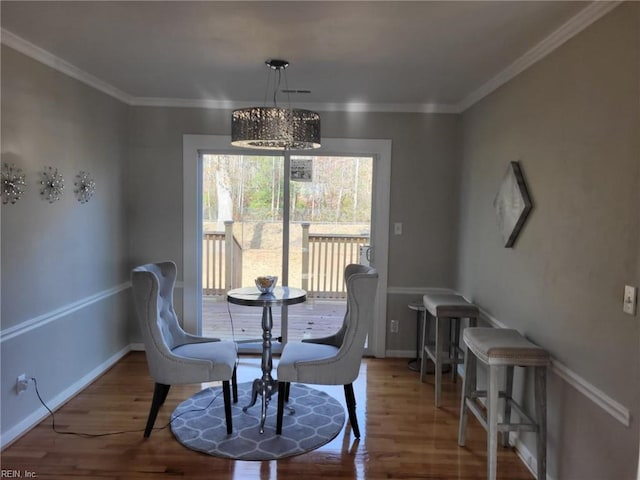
274,128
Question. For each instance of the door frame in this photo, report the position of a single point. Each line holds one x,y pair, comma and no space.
194,146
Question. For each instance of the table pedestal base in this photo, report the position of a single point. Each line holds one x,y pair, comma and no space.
266,384
265,388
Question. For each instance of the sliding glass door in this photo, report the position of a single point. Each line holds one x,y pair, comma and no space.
245,217
304,227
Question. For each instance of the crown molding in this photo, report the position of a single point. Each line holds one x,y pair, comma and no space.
43,56
568,30
47,58
320,107
187,103
381,107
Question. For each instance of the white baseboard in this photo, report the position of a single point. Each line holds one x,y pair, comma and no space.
416,290
528,459
67,394
400,353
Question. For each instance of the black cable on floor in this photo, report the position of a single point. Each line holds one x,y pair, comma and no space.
94,435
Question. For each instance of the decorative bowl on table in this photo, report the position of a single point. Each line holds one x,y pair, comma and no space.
266,284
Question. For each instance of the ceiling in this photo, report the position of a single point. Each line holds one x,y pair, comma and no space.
372,55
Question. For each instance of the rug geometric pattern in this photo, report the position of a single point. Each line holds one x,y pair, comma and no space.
198,423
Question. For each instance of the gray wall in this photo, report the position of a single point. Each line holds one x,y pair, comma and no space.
62,263
423,192
573,123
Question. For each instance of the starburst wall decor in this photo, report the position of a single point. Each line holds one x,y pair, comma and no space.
85,186
52,184
13,183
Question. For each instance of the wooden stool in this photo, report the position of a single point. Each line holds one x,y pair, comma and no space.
445,306
502,347
418,307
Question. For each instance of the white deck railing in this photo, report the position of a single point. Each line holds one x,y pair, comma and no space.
324,257
221,261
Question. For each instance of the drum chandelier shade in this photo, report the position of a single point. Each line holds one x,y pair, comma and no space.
275,128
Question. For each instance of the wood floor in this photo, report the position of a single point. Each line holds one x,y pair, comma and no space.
403,435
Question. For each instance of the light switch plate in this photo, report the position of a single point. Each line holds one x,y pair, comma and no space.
397,228
394,326
630,299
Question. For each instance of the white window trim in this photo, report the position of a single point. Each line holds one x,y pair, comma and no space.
195,145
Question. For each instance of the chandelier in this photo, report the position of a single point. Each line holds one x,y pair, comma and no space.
275,128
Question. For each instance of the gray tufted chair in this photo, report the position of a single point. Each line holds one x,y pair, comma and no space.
333,360
174,356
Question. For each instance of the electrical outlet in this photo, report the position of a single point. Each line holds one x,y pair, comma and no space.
22,383
397,228
629,300
394,326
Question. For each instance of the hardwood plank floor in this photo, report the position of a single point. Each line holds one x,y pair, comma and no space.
403,435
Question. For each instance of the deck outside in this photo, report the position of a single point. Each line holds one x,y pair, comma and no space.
314,318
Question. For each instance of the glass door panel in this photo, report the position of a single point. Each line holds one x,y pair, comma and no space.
242,239
330,223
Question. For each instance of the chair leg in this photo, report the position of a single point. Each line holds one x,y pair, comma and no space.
425,341
438,363
160,392
283,388
508,390
287,390
165,392
468,386
226,393
541,420
453,346
492,423
351,408
234,385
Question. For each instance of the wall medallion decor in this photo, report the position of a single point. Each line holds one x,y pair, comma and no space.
512,204
85,186
52,184
13,183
